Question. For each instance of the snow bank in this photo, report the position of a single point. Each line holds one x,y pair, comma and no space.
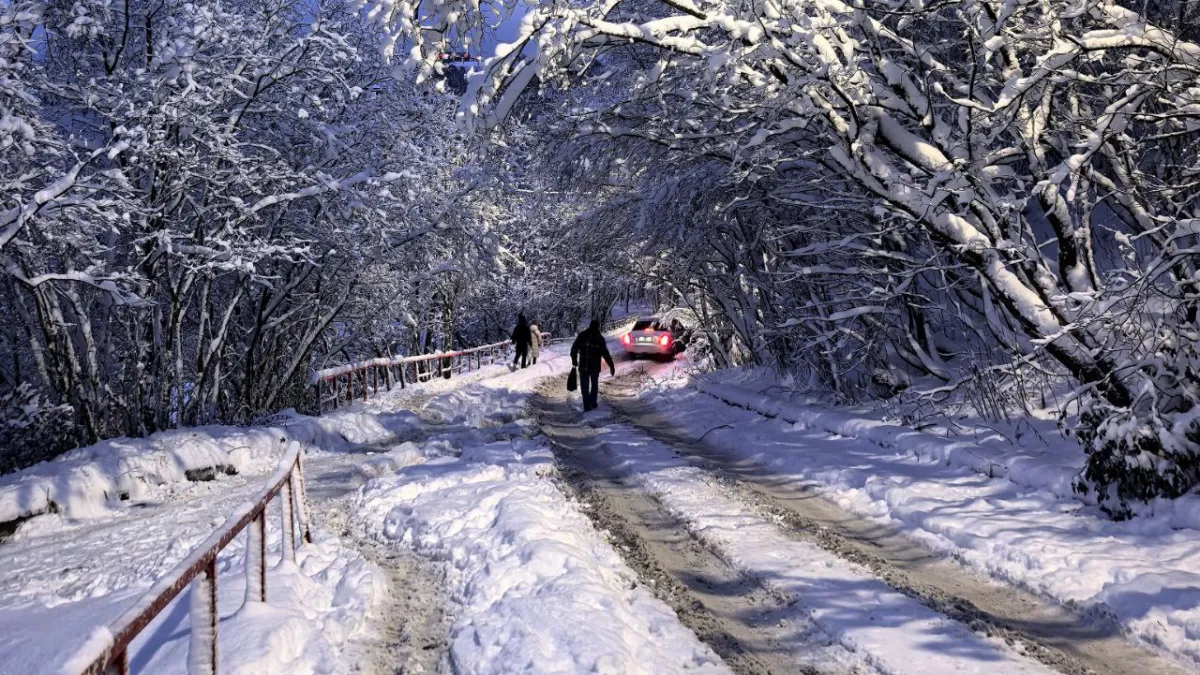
1045,472
1144,572
536,588
893,632
83,482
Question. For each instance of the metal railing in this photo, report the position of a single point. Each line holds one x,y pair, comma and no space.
343,384
107,652
360,380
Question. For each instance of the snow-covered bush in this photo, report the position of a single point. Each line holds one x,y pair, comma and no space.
32,429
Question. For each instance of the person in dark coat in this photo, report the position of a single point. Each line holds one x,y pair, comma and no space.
521,339
586,354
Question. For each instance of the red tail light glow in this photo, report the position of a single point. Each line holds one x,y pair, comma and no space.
664,340
626,339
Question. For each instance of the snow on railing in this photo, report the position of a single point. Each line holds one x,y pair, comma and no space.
106,651
363,378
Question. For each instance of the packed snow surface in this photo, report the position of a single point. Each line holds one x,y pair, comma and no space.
893,632
538,589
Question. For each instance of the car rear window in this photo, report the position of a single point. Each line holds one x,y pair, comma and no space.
643,324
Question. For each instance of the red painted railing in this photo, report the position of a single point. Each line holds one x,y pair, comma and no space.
106,653
343,384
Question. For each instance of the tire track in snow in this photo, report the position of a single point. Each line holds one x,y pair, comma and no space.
753,628
1070,643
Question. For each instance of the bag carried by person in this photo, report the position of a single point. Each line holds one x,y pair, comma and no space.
572,381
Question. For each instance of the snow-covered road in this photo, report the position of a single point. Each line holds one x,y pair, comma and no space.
500,530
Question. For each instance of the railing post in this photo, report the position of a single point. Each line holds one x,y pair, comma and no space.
119,665
256,559
365,382
299,495
202,650
289,532
401,368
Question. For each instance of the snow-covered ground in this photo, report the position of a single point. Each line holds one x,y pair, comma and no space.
111,519
536,588
1144,572
464,479
96,481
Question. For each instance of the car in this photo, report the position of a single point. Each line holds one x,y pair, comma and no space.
651,337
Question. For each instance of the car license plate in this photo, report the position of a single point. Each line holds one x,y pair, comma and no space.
645,340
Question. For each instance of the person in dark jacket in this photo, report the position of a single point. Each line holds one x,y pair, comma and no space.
521,338
586,353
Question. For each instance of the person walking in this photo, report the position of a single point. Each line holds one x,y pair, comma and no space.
586,353
535,342
521,338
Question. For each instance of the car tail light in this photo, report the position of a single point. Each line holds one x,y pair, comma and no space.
627,338
664,340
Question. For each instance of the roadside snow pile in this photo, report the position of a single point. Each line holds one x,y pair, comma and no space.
84,482
397,397
553,359
893,632
536,589
1144,572
1017,466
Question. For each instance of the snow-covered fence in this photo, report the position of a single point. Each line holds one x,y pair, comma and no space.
106,651
363,378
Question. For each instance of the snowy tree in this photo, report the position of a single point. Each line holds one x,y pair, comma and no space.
1037,159
205,201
